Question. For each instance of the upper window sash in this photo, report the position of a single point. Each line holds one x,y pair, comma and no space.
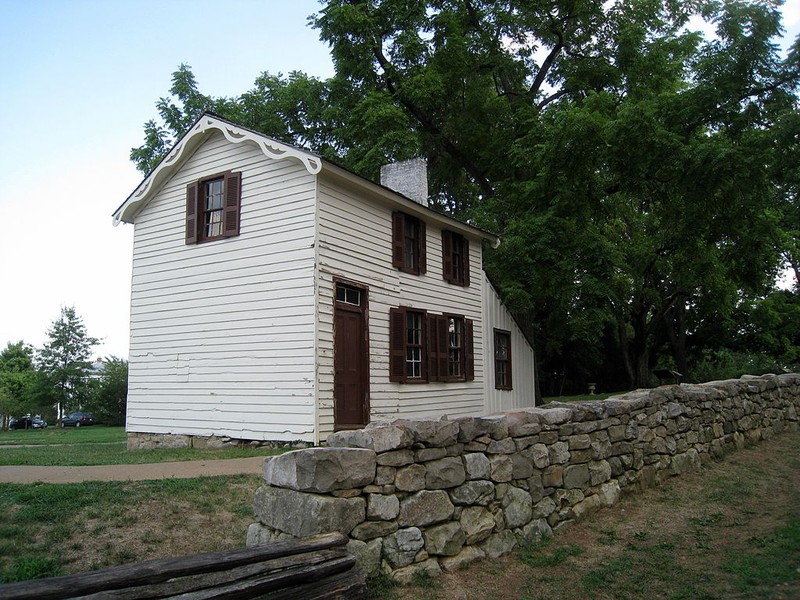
213,206
408,243
455,258
502,360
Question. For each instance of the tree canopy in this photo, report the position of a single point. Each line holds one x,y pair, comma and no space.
643,177
65,360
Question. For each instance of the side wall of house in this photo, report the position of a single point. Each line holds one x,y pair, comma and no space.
523,371
222,333
355,244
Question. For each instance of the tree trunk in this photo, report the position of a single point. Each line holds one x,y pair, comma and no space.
675,322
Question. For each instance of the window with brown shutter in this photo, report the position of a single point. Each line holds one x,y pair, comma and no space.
426,347
213,207
408,360
455,258
408,243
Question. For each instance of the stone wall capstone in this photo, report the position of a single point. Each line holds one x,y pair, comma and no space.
420,495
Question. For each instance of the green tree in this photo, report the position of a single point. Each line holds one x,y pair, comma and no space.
17,382
65,361
110,396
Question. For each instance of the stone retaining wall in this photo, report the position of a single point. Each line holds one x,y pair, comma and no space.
421,495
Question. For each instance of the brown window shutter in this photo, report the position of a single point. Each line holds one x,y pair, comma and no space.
423,254
191,213
465,260
398,221
469,351
433,348
442,347
447,255
397,346
233,195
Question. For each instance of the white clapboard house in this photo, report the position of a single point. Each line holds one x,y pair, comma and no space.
278,296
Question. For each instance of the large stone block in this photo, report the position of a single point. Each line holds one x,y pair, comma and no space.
444,473
535,531
467,555
502,468
383,507
479,492
368,555
499,543
477,522
410,478
425,508
431,433
477,466
401,547
382,438
446,539
321,469
559,453
429,567
470,428
517,507
301,514
369,530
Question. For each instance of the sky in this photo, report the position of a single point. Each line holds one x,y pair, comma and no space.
78,80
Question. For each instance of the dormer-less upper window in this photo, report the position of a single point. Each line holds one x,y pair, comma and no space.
212,207
455,258
408,243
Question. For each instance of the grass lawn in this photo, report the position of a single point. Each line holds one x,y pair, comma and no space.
97,445
49,529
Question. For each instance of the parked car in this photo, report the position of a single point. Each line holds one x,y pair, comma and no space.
77,419
21,423
27,423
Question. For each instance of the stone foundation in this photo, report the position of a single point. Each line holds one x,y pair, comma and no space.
150,441
427,496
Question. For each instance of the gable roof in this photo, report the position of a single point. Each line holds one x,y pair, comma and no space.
273,149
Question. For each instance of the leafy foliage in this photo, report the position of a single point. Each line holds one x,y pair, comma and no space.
17,381
64,360
110,394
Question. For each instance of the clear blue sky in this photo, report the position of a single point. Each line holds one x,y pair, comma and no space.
78,79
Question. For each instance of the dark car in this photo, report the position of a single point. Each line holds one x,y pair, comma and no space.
27,423
78,419
21,423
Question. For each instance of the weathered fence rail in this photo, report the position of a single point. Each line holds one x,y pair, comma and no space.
317,567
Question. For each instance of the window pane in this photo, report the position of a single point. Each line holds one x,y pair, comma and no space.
348,294
410,243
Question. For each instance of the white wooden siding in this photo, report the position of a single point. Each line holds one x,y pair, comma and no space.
222,333
496,316
355,244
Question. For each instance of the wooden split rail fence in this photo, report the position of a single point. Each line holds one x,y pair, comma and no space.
317,567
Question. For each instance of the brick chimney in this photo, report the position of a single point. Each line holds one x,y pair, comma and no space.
408,177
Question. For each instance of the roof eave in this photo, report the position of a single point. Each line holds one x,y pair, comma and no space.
188,144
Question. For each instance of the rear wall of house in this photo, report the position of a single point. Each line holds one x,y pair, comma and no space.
222,335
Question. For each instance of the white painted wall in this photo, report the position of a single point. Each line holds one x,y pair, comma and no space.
222,333
496,316
355,243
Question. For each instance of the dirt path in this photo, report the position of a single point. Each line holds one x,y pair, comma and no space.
166,470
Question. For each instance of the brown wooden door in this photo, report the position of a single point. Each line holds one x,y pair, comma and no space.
350,358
